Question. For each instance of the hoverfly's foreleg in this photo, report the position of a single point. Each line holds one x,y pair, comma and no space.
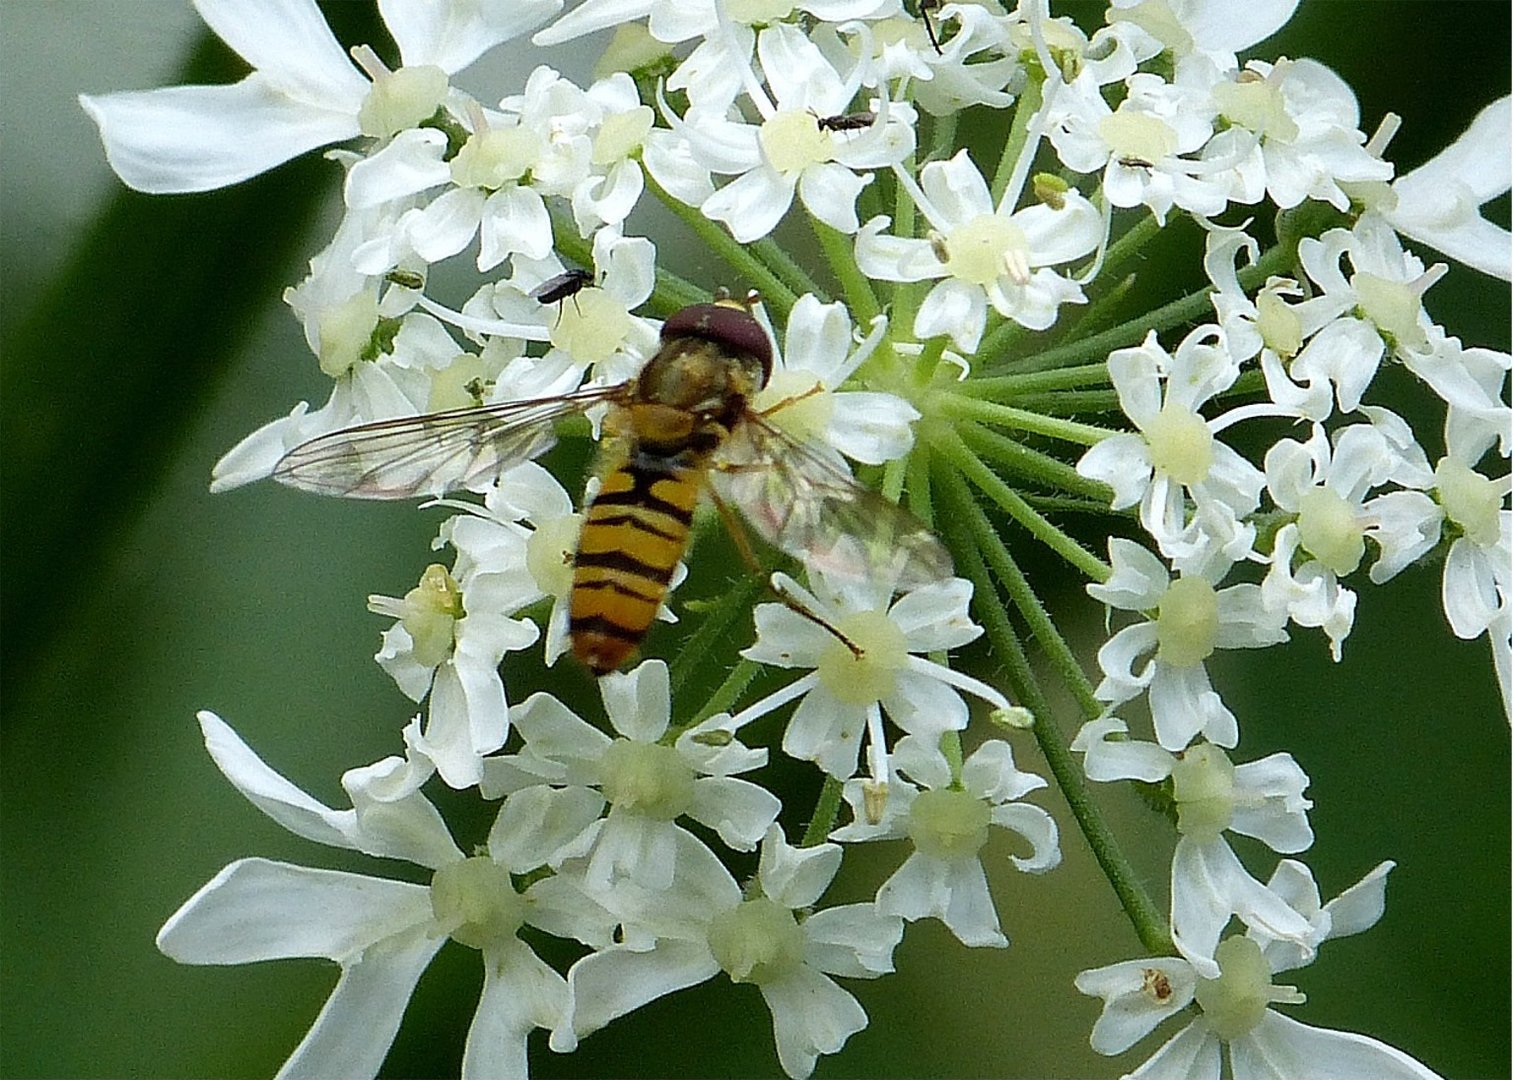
792,399
743,544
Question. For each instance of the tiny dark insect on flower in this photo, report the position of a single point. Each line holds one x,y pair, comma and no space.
561,286
847,121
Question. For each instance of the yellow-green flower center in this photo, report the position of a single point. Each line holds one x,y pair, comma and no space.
987,248
870,673
948,825
430,614
476,902
756,941
1234,1003
1138,135
1279,325
758,12
344,331
792,141
1393,307
621,135
1188,620
647,778
1180,444
590,325
1257,105
1203,788
549,554
1157,19
401,99
457,385
494,157
1469,499
1331,530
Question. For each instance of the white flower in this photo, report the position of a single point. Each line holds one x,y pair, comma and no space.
704,925
647,781
303,92
848,691
1187,620
1325,487
1141,147
451,635
1262,799
1293,127
1437,204
804,396
1175,451
948,818
1237,1006
985,254
383,933
789,150
1215,28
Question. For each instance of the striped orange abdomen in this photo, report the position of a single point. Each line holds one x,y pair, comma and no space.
634,533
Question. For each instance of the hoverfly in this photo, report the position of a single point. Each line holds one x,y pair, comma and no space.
681,426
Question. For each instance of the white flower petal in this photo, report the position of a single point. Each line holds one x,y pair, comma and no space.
290,42
854,940
1037,826
358,1022
520,993
739,811
638,702
614,981
257,909
452,35
199,138
1132,1006
793,876
1281,1048
811,1016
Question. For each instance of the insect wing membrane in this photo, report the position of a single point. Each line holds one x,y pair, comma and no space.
428,455
802,500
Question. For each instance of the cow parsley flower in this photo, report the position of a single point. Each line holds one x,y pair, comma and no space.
947,818
1237,1006
384,933
303,92
847,692
705,924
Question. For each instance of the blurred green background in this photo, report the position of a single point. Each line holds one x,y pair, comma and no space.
142,337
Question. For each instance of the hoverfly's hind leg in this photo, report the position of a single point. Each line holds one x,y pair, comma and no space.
743,542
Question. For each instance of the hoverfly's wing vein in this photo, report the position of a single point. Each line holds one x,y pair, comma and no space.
434,453
805,503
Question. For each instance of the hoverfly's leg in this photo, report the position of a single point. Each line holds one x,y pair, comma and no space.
930,30
792,399
743,544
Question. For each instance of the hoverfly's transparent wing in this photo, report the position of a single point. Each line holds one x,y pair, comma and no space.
427,455
801,499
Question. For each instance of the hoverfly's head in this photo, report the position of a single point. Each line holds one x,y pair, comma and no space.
728,324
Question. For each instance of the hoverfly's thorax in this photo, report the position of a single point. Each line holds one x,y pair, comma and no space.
699,377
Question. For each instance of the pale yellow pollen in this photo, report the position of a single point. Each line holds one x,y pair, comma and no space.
985,249
792,141
870,676
1188,620
590,325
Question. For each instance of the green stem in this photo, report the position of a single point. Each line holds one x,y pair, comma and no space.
1009,500
823,820
727,692
1019,128
1031,463
855,285
1006,387
723,612
1131,241
775,293
787,270
1150,925
1022,419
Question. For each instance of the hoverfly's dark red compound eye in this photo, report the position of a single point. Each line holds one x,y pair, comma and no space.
727,324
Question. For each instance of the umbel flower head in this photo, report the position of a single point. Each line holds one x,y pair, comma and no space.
953,389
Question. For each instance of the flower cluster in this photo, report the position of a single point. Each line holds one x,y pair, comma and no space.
967,341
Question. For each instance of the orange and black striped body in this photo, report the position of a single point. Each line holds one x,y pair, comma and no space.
680,410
